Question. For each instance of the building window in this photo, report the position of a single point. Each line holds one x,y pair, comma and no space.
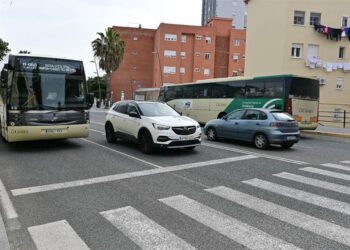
183,54
208,40
297,50
197,70
170,37
344,21
207,56
183,38
315,18
299,17
170,53
235,57
237,42
182,71
206,72
198,37
339,83
135,38
198,54
235,73
169,70
341,52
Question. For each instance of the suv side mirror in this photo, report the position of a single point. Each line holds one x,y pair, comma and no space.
4,78
90,99
134,114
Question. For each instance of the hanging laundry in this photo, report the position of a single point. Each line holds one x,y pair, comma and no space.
329,67
346,66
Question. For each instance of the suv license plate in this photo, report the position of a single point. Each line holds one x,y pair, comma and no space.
290,138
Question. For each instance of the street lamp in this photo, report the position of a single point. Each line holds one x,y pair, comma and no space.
98,79
160,67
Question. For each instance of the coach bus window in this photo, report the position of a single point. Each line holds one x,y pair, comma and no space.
274,89
255,89
188,91
179,93
237,89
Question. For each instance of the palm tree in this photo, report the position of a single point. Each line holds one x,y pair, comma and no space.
109,50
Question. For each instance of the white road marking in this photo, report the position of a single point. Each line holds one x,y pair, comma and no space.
97,131
110,178
336,166
6,203
317,226
314,182
346,162
143,231
57,235
297,194
97,123
234,229
300,146
253,153
326,173
124,154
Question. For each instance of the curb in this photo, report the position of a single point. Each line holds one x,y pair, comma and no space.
4,242
339,135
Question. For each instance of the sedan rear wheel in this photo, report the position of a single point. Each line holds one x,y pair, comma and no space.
261,141
212,135
110,135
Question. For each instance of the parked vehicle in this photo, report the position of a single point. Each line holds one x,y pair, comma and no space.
151,124
260,126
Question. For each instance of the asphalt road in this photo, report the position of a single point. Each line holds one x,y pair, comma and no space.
88,194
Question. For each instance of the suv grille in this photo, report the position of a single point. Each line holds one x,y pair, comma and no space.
184,130
183,143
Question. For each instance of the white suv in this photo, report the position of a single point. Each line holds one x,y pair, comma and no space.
151,124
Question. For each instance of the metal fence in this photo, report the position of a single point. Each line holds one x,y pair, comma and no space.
340,118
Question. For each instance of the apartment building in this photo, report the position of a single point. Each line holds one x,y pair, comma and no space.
301,37
235,9
177,54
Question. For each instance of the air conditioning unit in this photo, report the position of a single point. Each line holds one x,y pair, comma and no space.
322,81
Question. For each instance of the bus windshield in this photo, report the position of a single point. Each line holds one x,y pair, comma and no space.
47,91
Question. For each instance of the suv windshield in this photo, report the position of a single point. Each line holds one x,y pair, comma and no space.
281,116
156,109
47,91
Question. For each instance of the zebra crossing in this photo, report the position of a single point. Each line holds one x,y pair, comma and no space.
148,234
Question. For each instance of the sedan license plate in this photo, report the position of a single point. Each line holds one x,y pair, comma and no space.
54,131
290,138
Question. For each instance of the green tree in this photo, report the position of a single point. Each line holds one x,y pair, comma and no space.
4,49
109,49
94,83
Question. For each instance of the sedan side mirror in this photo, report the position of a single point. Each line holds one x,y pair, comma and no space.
134,114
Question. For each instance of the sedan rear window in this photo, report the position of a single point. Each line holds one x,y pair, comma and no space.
281,116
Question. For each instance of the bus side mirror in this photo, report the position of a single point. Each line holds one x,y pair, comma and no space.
4,78
90,99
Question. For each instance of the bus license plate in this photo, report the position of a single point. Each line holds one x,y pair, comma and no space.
54,131
290,138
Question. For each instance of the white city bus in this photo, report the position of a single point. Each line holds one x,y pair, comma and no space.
43,98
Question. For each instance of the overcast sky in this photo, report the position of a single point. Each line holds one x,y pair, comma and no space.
67,27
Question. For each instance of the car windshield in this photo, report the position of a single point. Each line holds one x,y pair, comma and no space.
282,116
47,91
157,109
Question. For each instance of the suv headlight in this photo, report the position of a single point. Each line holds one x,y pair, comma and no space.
160,127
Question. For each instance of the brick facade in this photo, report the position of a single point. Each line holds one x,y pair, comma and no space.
177,54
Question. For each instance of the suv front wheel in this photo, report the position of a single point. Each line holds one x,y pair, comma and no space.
146,143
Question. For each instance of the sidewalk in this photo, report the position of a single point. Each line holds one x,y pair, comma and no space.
330,131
